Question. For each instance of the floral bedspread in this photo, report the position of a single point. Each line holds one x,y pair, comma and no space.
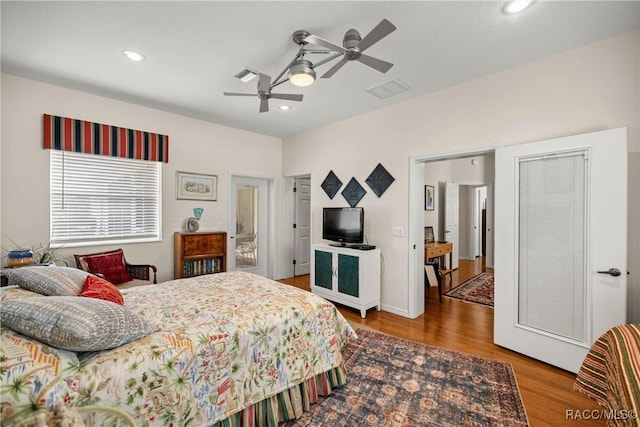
226,341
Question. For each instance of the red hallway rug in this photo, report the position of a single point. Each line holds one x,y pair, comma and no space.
394,382
477,290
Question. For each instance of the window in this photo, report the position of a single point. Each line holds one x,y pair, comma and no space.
101,199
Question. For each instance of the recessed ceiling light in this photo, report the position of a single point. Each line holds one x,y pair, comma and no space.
133,55
285,107
516,6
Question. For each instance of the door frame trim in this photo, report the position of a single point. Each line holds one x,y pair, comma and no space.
415,293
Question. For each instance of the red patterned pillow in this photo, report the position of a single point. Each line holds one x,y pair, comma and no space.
95,287
111,266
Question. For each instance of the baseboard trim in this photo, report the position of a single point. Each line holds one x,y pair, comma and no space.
395,310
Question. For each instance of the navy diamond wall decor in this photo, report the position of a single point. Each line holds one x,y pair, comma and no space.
331,184
379,180
353,192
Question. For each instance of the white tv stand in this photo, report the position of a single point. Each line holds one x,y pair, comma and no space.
347,276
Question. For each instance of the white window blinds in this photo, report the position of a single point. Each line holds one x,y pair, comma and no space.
101,199
552,248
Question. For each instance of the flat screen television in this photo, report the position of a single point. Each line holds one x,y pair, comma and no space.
343,225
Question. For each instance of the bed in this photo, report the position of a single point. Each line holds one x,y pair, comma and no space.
224,349
610,374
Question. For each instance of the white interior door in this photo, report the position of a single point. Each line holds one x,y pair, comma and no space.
560,211
302,230
248,225
451,218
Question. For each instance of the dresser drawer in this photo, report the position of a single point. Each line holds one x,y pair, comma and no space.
438,249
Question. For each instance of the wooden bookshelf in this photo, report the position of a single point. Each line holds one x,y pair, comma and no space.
199,253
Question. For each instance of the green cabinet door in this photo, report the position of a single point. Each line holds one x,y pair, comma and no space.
323,269
348,275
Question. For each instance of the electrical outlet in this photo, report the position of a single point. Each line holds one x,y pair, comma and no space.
397,231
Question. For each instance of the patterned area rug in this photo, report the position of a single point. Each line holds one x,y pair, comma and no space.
395,382
477,290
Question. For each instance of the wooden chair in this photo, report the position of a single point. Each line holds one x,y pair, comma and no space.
142,274
432,276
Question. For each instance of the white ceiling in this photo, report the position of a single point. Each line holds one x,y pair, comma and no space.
193,50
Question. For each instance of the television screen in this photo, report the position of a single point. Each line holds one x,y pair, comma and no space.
344,225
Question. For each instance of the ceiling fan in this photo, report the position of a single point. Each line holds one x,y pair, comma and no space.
264,93
301,72
354,45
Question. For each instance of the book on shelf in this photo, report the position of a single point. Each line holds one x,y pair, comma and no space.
202,266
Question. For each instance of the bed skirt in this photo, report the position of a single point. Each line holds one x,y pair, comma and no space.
289,404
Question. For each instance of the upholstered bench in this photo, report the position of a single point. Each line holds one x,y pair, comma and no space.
113,266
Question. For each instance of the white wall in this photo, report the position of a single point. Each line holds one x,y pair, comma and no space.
194,146
586,89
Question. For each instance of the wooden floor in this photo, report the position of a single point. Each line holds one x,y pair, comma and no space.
546,391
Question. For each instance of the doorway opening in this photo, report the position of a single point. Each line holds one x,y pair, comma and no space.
462,167
250,225
472,220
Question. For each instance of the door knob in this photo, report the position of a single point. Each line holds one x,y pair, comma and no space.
612,272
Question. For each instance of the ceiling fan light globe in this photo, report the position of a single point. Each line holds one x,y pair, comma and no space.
302,80
301,73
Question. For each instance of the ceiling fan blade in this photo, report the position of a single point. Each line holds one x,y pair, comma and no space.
383,29
238,94
329,58
324,43
335,68
287,96
264,105
378,64
264,84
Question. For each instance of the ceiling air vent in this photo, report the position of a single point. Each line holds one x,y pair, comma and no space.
246,75
388,89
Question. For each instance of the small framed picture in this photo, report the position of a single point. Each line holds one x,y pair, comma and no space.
429,198
428,235
196,186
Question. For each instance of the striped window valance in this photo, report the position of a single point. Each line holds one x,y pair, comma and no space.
80,136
